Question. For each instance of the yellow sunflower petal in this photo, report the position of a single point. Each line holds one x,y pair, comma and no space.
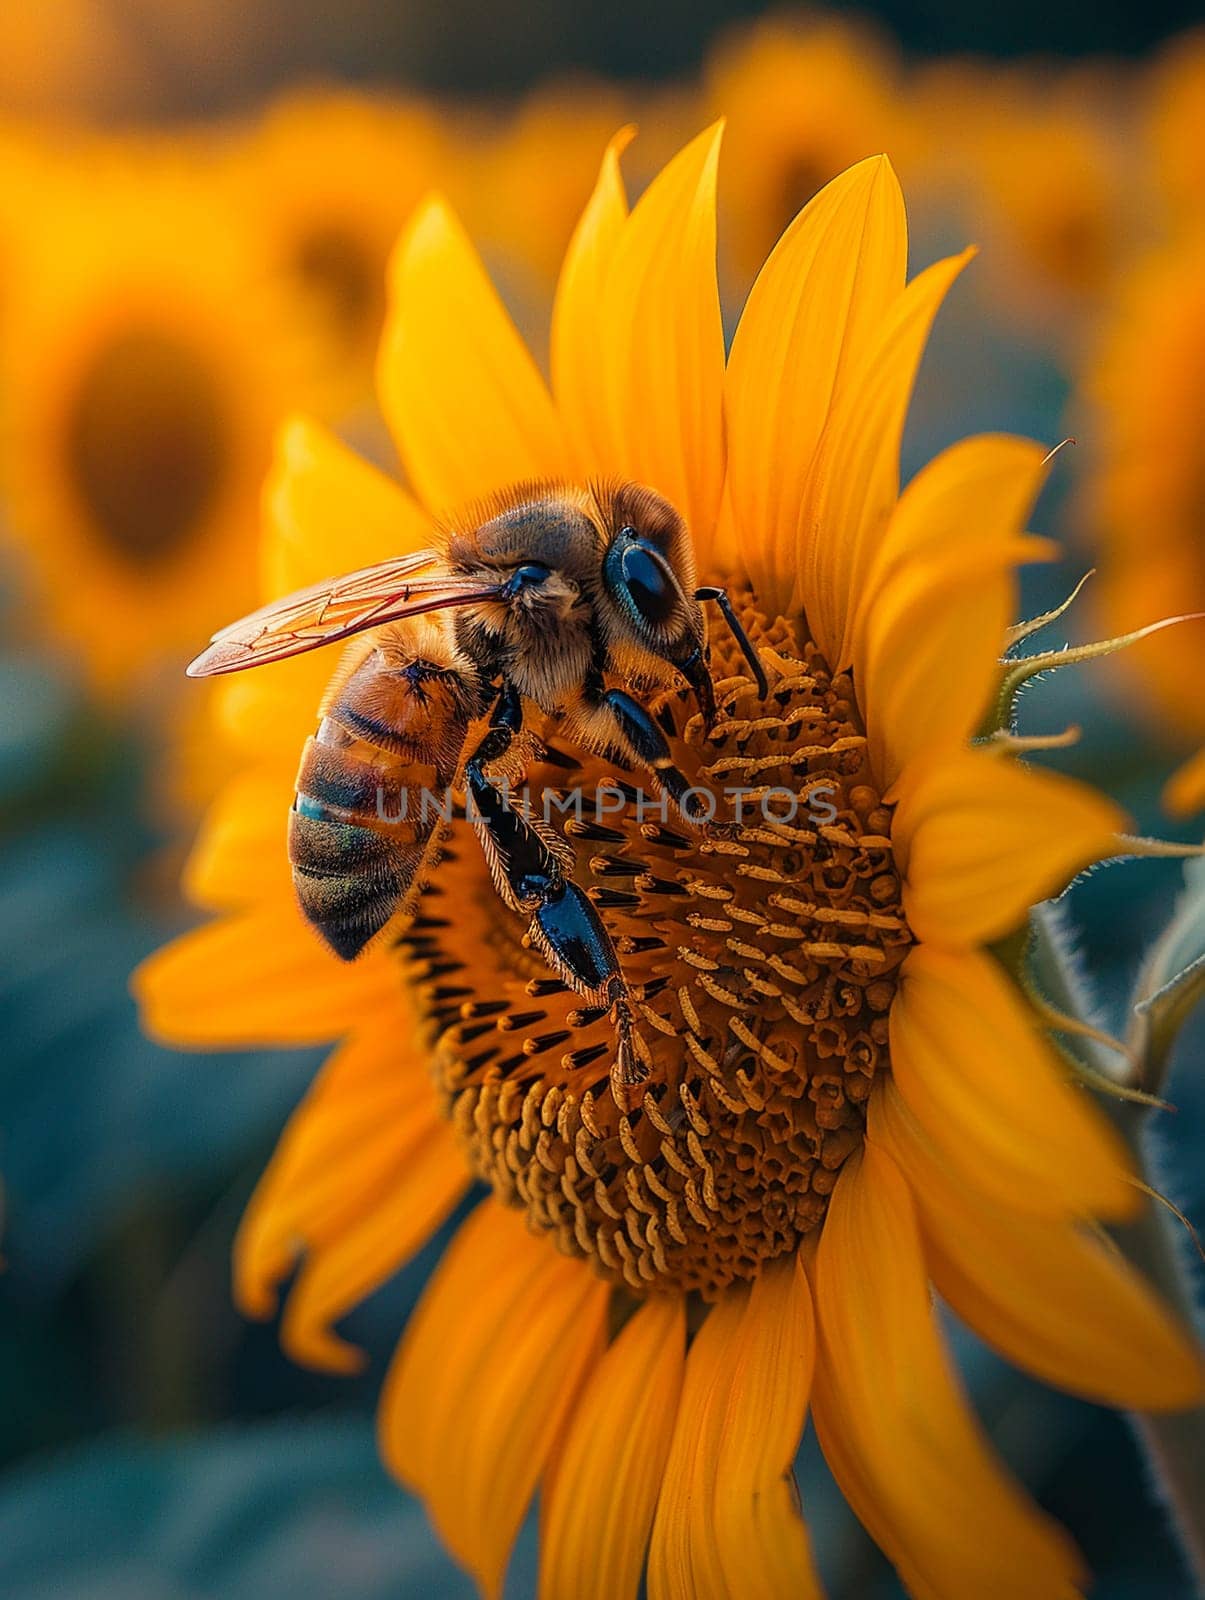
258,979
1047,1294
684,1556
239,856
811,317
928,660
429,1177
982,839
303,1193
728,1524
659,342
854,481
893,1422
968,1059
484,1380
976,492
366,1170
940,596
763,1543
599,1506
328,511
575,352
467,407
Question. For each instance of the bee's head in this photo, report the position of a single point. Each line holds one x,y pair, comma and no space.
538,545
539,542
648,579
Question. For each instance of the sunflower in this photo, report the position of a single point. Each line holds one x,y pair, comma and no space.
531,172
803,102
848,1097
1144,502
1045,161
329,178
143,371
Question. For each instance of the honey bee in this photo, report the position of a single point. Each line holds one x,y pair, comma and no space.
540,596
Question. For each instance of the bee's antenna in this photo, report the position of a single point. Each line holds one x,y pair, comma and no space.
720,596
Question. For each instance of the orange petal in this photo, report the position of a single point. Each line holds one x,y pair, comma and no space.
727,1523
484,1380
940,596
598,1508
257,980
429,1177
893,1422
854,482
468,409
240,854
684,1557
763,1544
810,319
982,838
659,342
575,353
366,1169
988,1091
976,492
1045,1293
327,511
1184,795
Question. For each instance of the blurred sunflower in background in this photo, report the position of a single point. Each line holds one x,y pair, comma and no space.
327,178
805,99
849,1095
1047,185
1174,99
144,367
1144,501
530,167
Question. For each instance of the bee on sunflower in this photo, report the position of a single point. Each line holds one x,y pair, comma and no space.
847,1097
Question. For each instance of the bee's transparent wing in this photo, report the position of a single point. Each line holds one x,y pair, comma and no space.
337,608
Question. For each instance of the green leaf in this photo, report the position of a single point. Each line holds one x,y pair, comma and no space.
293,1510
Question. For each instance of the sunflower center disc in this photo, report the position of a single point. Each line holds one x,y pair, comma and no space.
763,958
147,444
333,264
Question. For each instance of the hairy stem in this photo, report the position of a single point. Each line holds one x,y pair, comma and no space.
1173,1443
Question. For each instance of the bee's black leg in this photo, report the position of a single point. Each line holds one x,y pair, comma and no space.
531,874
648,744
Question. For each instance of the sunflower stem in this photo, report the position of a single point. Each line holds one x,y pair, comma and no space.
1173,1444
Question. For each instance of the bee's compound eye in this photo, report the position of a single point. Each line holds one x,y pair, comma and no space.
649,583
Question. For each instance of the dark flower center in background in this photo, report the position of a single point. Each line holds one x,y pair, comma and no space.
802,175
147,444
347,280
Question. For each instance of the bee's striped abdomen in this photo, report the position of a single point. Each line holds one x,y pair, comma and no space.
372,793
